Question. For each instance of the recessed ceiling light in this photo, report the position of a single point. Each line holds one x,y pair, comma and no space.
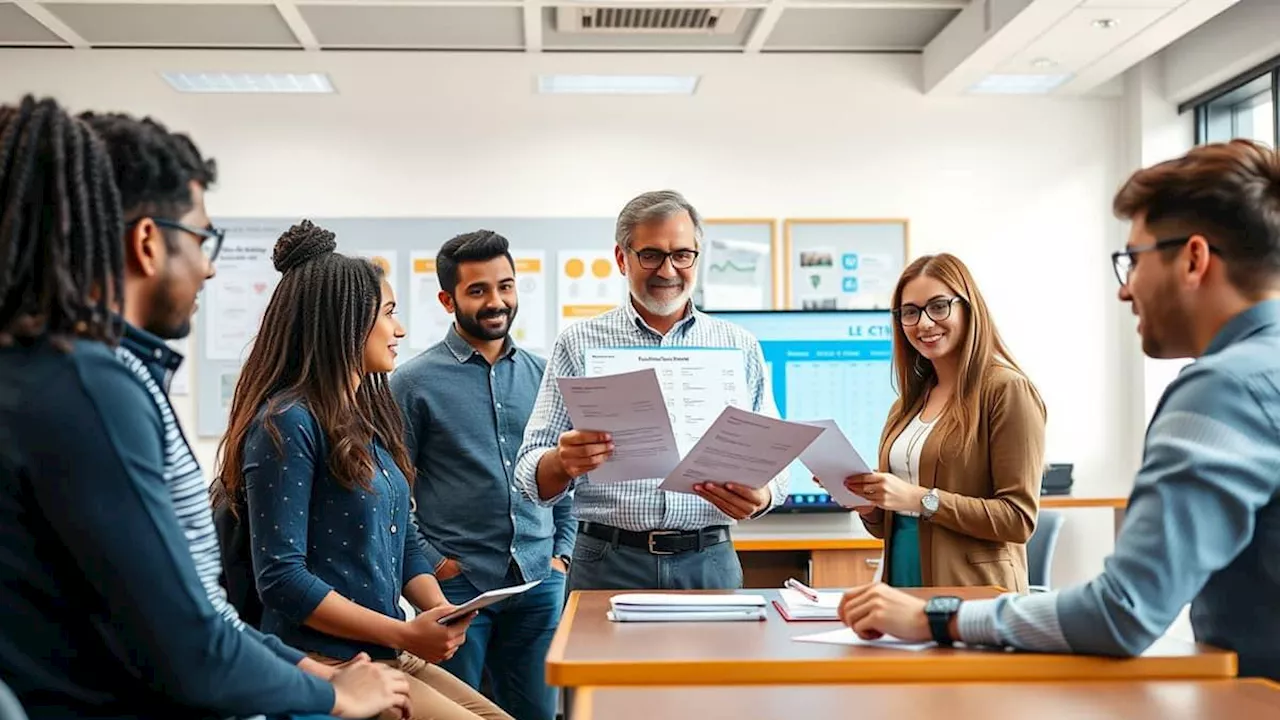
618,84
1043,63
1018,84
213,82
1105,23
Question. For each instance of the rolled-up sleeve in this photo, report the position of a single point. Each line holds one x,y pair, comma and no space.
278,482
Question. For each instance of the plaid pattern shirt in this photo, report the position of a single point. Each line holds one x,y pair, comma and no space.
638,505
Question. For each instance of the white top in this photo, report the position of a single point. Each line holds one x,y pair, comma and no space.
904,454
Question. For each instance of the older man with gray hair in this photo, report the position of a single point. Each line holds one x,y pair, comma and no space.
632,535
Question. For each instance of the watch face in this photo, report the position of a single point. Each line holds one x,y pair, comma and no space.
943,604
930,502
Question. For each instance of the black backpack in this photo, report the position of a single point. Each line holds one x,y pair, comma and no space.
237,578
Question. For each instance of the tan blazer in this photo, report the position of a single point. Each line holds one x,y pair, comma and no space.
989,491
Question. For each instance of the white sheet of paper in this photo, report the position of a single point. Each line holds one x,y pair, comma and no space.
697,383
743,448
832,458
845,636
629,406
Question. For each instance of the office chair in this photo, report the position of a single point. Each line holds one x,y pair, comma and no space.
1040,550
10,708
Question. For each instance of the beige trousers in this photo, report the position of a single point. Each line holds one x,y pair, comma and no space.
435,694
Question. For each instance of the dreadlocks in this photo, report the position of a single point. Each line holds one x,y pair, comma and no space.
61,261
310,348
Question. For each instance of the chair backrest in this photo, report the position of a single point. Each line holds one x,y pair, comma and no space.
10,708
1040,548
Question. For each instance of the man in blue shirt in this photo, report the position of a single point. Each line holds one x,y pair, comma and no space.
466,402
104,613
1202,273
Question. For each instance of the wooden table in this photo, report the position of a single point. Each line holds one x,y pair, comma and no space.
588,649
1149,700
828,561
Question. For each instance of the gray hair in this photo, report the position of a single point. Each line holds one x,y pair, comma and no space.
655,205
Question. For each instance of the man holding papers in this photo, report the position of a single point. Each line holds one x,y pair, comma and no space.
631,534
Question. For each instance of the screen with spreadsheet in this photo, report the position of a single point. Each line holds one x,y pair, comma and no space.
826,365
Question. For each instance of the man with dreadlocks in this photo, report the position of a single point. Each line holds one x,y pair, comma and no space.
104,614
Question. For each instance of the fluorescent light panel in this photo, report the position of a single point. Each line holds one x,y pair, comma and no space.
290,83
618,84
1018,84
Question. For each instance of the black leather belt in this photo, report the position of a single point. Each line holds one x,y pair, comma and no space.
658,542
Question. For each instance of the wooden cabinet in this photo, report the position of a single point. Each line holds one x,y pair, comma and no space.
822,563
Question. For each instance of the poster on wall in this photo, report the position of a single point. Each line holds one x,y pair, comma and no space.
428,320
737,275
530,327
588,284
239,294
843,264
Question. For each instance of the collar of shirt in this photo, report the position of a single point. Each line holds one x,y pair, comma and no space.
1262,315
160,359
691,315
462,350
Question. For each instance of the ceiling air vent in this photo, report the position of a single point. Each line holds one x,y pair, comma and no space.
683,21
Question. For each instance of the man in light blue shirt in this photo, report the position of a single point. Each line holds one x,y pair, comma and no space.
1202,273
631,535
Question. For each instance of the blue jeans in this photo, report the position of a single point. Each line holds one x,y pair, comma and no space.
511,639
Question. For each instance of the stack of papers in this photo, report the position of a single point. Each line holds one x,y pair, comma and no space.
670,607
795,606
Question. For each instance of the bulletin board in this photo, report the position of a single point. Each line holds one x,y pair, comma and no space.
735,270
842,264
565,272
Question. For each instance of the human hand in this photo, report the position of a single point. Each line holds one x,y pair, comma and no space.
558,565
737,501
875,610
366,689
326,672
581,451
431,641
868,512
448,569
886,491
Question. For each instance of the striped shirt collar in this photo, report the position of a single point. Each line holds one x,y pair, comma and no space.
159,358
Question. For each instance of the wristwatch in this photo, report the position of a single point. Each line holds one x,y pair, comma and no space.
940,610
929,503
566,559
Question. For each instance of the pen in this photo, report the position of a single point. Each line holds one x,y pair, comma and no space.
801,588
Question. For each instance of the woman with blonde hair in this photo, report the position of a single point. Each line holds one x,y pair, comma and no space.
962,451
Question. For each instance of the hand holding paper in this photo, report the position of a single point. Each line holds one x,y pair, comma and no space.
743,448
628,408
831,458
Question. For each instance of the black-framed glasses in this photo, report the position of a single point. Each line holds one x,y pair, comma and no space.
210,237
1122,261
938,309
653,259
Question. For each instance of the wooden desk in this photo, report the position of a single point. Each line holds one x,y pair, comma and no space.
828,561
588,649
1154,700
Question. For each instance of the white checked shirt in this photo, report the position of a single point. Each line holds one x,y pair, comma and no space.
638,505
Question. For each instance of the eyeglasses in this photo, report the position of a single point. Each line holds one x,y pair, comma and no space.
210,237
938,309
1122,261
653,259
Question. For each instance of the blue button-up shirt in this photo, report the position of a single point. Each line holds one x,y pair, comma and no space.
464,422
312,536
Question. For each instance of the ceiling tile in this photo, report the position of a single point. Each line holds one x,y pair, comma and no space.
731,33
1075,41
438,27
856,29
19,28
171,25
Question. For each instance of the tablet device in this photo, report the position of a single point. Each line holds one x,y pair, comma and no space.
485,600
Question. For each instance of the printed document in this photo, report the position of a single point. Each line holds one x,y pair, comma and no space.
845,636
831,458
697,383
628,406
743,448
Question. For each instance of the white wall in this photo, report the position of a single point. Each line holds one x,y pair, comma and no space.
1019,188
1232,43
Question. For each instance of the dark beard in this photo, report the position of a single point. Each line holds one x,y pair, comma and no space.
471,323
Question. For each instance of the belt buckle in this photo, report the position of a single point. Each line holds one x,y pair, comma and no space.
652,533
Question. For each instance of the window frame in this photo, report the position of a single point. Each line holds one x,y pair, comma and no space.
1202,102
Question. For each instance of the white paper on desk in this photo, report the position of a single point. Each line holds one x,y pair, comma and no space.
845,636
743,448
629,407
831,458
749,614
